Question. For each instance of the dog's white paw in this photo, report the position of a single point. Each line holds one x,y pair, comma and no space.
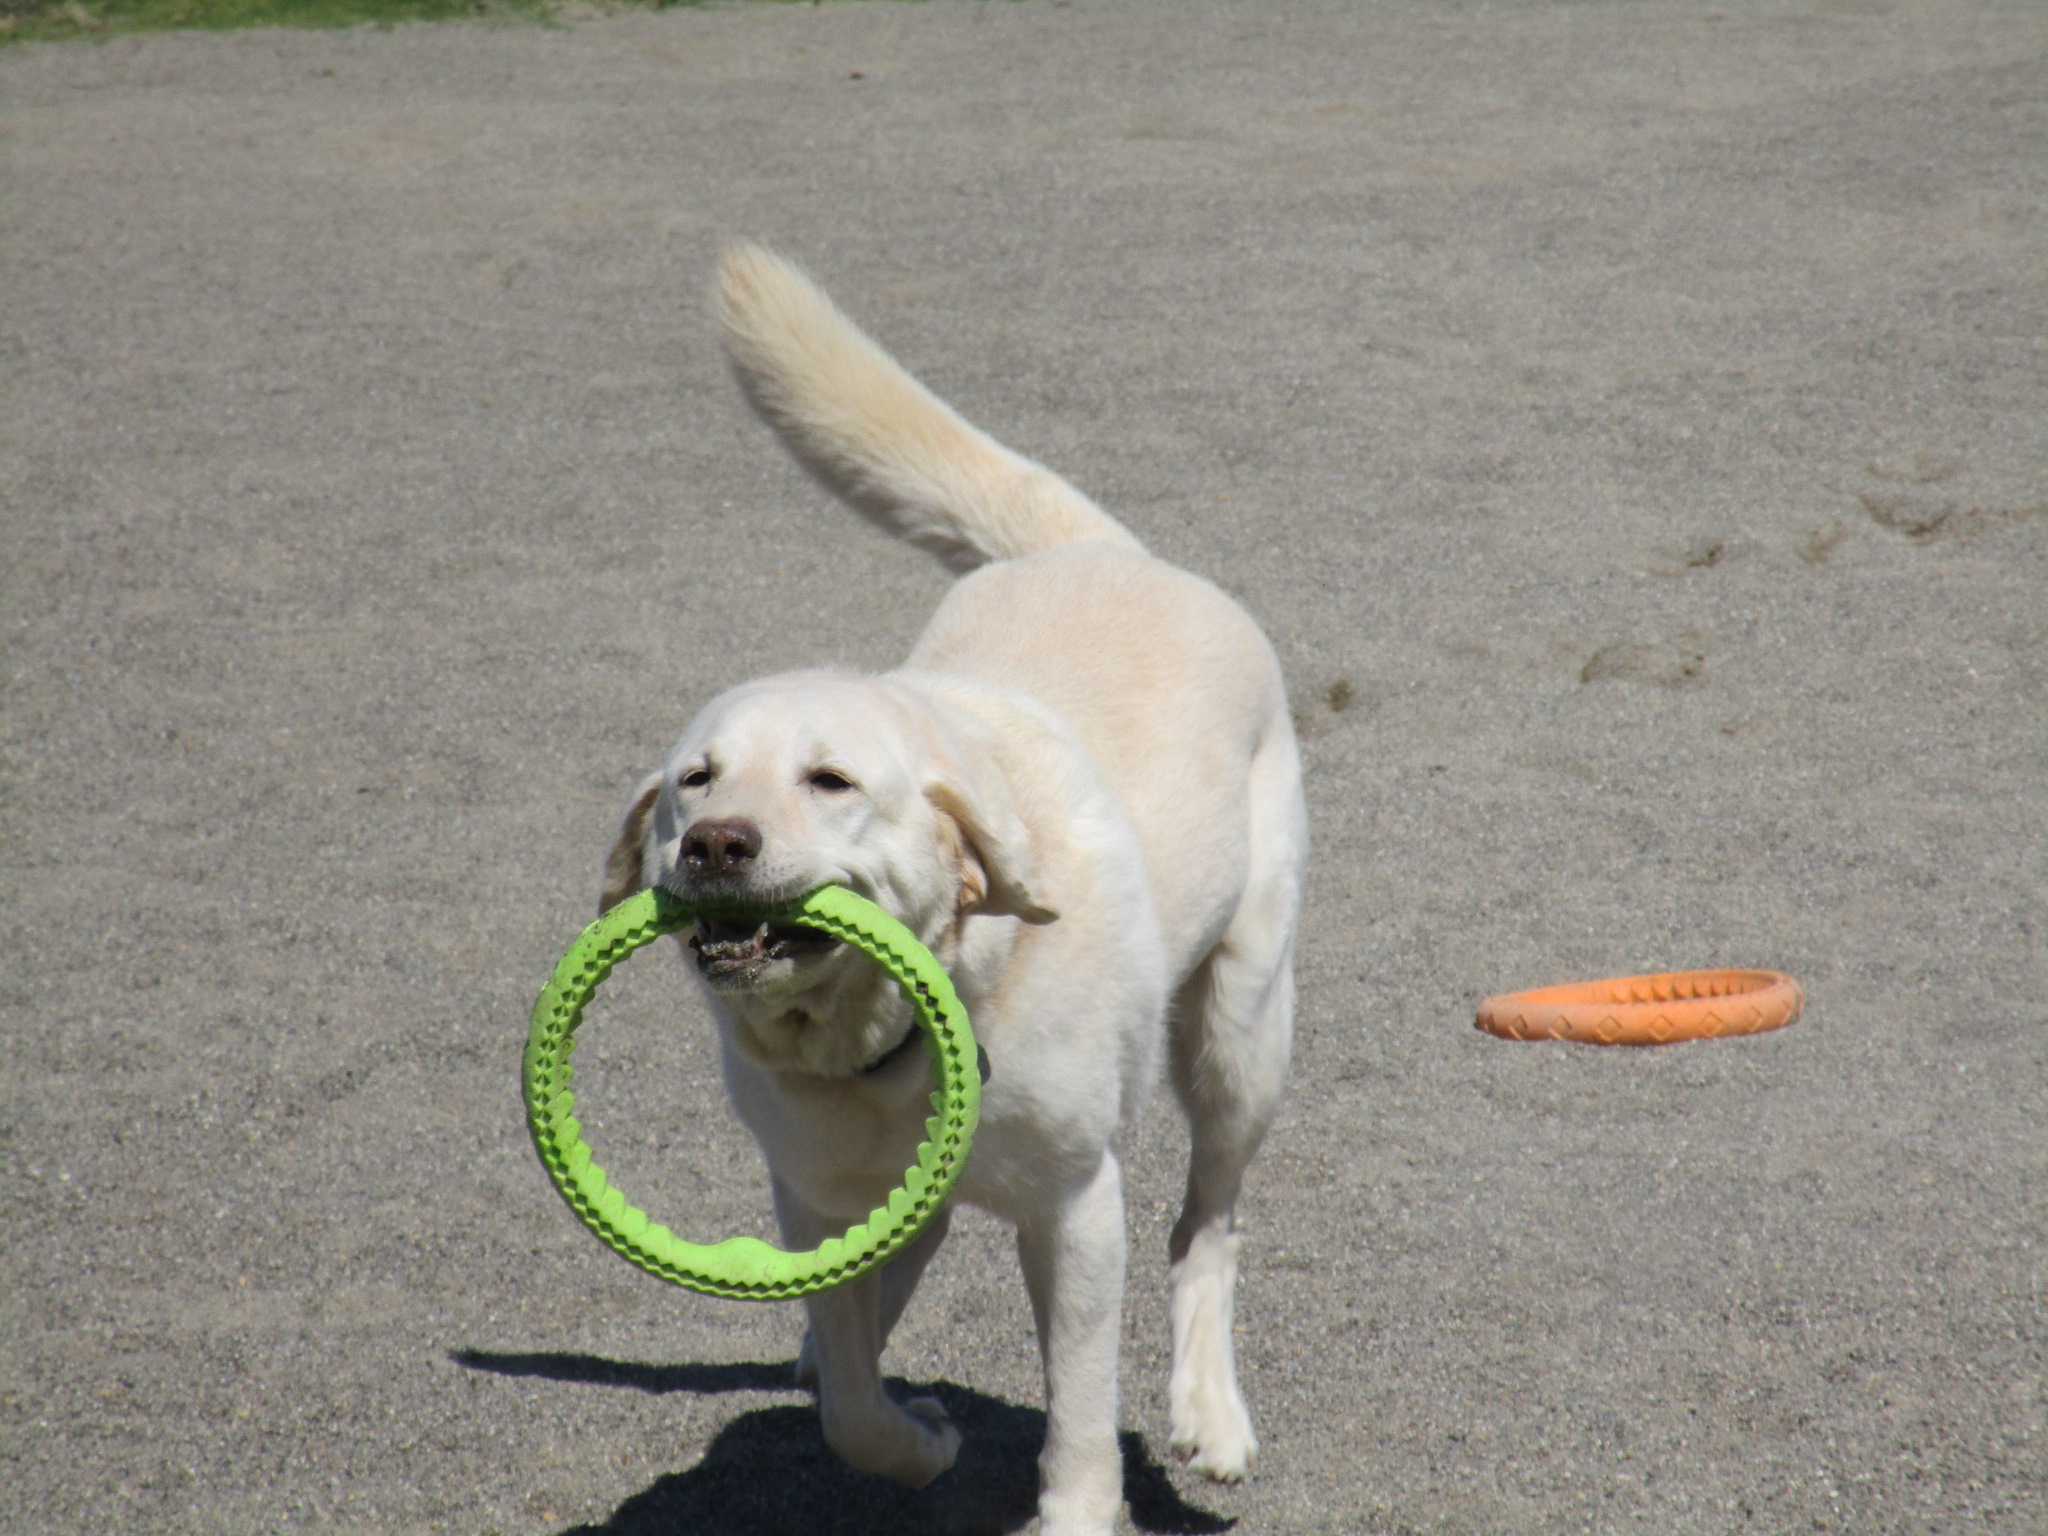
1212,1433
1090,1514
941,1438
911,1443
1048,1526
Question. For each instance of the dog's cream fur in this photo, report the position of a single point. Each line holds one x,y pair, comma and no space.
1082,792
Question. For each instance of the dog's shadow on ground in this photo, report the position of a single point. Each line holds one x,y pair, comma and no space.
768,1472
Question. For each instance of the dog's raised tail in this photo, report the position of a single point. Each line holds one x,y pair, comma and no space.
876,437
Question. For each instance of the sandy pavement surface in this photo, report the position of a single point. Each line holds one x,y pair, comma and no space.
1629,420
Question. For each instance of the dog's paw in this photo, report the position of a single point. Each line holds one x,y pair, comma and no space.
1049,1525
911,1443
1081,1497
942,1435
1212,1433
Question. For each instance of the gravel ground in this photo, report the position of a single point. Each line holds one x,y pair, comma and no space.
1631,422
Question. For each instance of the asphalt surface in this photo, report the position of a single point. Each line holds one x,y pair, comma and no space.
1629,420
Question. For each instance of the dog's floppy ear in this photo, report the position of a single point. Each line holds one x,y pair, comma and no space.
995,853
623,875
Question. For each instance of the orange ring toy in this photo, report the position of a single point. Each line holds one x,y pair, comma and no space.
1647,1010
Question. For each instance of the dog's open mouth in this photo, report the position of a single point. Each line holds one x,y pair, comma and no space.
738,952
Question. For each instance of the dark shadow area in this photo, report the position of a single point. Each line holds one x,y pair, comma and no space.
740,1376
769,1472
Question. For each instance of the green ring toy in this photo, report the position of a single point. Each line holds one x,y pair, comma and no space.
745,1268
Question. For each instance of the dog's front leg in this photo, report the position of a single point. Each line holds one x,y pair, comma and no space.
1073,1260
913,1443
899,1279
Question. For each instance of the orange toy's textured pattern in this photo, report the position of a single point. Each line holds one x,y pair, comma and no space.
1647,1010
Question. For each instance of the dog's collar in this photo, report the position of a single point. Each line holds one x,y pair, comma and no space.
909,1039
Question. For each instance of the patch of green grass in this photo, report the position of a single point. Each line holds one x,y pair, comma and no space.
24,20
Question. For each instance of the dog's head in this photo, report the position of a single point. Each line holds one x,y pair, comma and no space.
810,779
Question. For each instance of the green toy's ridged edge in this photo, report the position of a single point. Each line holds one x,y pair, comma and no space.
744,1268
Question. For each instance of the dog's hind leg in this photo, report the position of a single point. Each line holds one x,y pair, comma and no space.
1233,1026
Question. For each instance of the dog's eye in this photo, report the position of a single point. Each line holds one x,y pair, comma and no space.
696,778
830,782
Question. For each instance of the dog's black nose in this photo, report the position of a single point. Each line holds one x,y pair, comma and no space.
720,845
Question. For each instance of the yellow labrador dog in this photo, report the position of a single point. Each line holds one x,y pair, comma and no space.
1082,792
